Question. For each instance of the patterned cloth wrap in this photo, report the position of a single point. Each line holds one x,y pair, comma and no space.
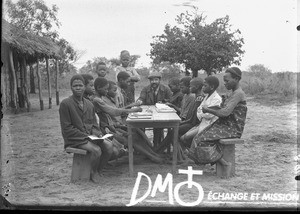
205,147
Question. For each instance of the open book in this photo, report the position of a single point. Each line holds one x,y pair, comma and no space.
92,137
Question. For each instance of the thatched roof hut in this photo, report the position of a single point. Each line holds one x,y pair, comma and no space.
28,44
19,49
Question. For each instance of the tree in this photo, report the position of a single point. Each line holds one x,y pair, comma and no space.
117,62
259,70
197,45
34,16
90,65
68,56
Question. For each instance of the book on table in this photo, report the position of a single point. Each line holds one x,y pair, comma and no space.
95,138
140,115
163,108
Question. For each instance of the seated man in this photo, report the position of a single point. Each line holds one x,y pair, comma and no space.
152,94
230,124
212,99
107,111
78,121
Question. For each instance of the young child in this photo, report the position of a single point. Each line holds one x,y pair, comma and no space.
78,121
211,99
101,69
89,92
177,95
134,76
187,100
107,109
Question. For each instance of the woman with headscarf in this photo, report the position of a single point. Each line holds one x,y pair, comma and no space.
230,124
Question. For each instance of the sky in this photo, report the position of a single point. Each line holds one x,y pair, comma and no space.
103,28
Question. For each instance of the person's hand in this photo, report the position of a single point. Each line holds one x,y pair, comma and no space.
139,102
138,109
134,104
205,109
109,129
169,104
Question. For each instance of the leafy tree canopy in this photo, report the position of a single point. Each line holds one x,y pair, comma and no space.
90,65
197,45
36,17
259,70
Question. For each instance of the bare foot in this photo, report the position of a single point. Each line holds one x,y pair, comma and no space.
226,170
95,177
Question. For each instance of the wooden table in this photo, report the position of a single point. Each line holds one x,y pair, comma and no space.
158,120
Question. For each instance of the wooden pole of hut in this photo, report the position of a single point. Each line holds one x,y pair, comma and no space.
32,85
49,83
14,81
38,75
56,82
25,88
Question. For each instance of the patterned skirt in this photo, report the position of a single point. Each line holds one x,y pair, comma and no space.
205,147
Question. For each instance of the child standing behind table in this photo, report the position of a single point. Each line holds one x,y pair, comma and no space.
101,69
134,76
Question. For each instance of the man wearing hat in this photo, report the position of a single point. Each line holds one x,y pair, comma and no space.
134,76
153,93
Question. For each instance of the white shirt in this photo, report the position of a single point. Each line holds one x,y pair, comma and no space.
207,119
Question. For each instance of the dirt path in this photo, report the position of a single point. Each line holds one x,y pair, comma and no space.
38,169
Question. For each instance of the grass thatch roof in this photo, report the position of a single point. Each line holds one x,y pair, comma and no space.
31,45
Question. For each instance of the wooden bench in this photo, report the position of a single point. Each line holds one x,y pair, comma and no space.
81,168
228,154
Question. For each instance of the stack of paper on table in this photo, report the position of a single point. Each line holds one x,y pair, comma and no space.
163,108
140,115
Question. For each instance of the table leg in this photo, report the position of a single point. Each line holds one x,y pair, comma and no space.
175,149
130,151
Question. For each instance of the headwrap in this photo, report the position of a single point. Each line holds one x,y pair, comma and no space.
76,77
235,71
100,82
212,81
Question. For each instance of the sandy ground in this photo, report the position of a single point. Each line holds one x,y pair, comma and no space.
38,169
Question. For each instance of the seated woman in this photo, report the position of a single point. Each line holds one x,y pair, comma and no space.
107,111
232,115
211,99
